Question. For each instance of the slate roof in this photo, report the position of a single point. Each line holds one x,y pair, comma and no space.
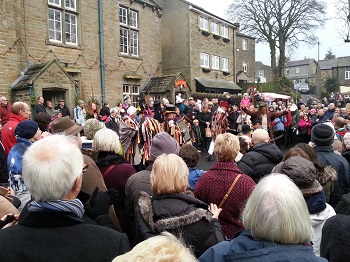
149,3
299,62
330,63
219,84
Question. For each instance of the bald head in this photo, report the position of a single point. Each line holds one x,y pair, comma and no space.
260,136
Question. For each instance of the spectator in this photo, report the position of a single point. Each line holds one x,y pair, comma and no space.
105,112
113,121
330,111
304,175
304,129
164,247
190,218
49,108
63,108
27,132
190,155
20,112
39,107
213,184
92,111
277,226
245,101
55,214
322,136
261,158
43,120
5,110
79,113
320,118
204,119
92,125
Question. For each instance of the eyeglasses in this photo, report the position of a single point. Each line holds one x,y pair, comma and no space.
85,168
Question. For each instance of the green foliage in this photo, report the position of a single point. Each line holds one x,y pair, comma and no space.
96,99
332,85
329,54
325,94
33,101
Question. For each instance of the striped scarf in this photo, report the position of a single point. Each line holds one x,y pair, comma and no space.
72,206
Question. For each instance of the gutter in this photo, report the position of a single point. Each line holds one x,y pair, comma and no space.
102,65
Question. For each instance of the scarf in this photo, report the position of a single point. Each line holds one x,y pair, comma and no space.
72,206
316,203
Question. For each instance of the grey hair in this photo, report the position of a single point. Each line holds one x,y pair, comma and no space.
51,166
276,211
113,110
81,102
106,140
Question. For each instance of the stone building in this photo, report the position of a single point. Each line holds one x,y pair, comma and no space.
263,73
245,58
65,34
302,71
199,45
338,68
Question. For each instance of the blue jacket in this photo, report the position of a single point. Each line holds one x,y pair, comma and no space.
194,175
245,248
279,123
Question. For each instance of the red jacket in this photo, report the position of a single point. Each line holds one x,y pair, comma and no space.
289,119
8,138
214,184
5,113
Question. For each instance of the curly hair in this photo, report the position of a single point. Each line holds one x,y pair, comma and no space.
190,155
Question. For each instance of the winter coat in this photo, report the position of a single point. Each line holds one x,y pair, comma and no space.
64,110
194,175
59,236
260,160
335,239
321,120
181,215
79,115
303,124
246,248
203,118
214,184
112,124
5,113
327,157
279,123
8,138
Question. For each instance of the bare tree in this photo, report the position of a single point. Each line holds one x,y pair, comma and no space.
342,19
280,23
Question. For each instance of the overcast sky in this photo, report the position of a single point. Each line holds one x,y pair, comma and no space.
328,36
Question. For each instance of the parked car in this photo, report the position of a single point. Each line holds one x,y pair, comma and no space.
302,88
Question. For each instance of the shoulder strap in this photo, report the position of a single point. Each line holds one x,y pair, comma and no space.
108,170
229,191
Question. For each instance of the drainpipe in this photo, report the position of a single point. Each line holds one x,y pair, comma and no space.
31,95
102,65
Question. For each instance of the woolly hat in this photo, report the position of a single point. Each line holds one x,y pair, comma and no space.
303,173
322,135
131,110
312,110
346,140
26,129
163,143
223,104
92,125
66,125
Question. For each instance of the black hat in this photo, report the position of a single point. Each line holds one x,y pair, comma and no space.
169,109
322,135
257,121
245,129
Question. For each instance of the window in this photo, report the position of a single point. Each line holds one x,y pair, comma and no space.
203,23
297,70
215,27
287,71
224,31
224,64
215,62
129,34
204,60
347,73
261,72
245,44
63,21
245,66
133,91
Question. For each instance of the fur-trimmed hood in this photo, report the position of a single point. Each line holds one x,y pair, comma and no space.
170,223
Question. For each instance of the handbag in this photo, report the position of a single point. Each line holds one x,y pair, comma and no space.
229,191
207,131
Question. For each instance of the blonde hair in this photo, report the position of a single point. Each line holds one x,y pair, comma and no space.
106,140
163,248
276,211
226,147
169,175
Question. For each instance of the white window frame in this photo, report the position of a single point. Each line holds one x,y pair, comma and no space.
261,73
204,60
134,43
297,70
129,34
215,62
245,66
68,18
133,19
225,64
204,23
224,31
133,91
215,28
347,74
245,44
123,15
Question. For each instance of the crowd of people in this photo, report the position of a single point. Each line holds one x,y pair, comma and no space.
94,185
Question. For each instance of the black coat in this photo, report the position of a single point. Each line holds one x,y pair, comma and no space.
64,110
203,118
111,124
59,236
260,160
180,215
